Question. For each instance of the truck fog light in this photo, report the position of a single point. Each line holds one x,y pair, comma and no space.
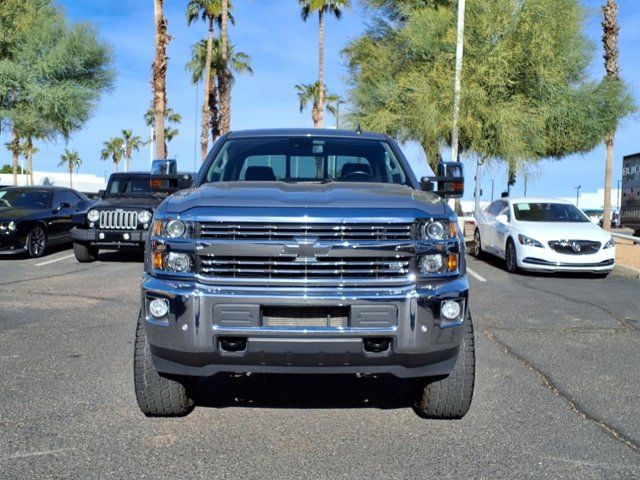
177,262
431,263
450,310
159,307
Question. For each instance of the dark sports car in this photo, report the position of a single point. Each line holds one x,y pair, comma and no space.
33,218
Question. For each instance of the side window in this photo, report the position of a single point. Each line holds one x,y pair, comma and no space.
65,196
494,208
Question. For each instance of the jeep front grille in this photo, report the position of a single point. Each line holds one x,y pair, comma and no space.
321,231
325,269
118,219
575,247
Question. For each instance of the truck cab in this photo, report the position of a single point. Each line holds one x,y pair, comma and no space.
307,252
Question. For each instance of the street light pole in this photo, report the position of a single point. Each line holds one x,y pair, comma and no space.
492,182
458,80
338,103
619,195
578,195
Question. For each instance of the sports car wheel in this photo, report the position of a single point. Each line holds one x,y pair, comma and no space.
36,242
511,257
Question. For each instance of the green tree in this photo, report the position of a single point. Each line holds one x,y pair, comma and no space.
131,143
72,161
526,93
171,119
310,94
239,62
113,149
321,7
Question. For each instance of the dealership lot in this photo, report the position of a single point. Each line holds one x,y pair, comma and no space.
557,392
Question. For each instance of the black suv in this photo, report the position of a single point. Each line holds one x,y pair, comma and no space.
120,220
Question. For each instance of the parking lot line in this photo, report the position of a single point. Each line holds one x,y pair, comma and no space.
475,275
54,260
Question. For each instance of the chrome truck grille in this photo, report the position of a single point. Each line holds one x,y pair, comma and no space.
119,219
575,247
321,231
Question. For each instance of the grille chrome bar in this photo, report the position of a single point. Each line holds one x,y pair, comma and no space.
118,219
289,231
575,247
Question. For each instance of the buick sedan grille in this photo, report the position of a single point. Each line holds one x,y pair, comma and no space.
575,247
119,219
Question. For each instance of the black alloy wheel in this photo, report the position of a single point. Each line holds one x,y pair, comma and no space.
476,248
511,257
36,242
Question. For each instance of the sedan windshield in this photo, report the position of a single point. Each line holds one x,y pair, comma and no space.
19,198
305,159
548,212
129,186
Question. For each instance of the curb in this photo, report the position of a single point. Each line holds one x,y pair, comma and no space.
627,271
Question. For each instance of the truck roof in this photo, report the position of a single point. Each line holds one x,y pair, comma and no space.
305,132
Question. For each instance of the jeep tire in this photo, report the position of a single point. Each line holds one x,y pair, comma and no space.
85,252
450,397
157,395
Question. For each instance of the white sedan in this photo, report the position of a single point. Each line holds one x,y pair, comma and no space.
543,235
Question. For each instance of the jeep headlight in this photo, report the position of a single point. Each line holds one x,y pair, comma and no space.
93,216
437,230
144,216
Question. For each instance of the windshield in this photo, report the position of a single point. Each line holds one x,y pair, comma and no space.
305,159
17,198
134,186
548,212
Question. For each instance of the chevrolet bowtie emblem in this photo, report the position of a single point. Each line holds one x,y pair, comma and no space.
305,249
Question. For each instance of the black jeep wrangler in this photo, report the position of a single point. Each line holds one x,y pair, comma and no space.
123,216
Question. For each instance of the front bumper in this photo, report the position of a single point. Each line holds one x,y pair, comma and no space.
12,242
547,260
188,340
110,239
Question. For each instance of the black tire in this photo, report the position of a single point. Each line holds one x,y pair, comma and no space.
476,246
157,395
85,252
36,241
511,257
449,398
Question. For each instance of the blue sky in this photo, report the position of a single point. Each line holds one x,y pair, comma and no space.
284,53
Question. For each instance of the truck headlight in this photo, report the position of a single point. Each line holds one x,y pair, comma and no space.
529,242
144,216
430,264
175,228
159,307
437,230
177,262
610,244
93,216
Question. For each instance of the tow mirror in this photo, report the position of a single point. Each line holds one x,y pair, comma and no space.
164,176
449,183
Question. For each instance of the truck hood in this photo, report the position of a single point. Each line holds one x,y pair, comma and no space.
132,202
306,196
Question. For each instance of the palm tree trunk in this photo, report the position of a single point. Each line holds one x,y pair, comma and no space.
321,69
30,159
15,154
611,29
206,120
115,166
70,176
224,77
214,109
158,82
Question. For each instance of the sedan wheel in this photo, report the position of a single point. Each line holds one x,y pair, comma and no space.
36,242
511,257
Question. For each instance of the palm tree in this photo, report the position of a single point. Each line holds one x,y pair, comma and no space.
239,63
334,7
159,73
224,75
27,150
72,160
310,94
611,28
131,143
114,150
170,118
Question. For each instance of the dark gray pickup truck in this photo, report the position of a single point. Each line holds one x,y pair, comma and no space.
308,252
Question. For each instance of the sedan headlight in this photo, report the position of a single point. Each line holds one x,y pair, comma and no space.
144,216
528,241
93,216
437,230
610,244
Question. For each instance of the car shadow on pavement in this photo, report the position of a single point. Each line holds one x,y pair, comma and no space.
52,250
305,391
122,256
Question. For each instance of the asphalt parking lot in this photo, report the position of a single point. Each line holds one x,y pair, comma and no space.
558,390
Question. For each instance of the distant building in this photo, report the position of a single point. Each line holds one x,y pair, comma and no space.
83,182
